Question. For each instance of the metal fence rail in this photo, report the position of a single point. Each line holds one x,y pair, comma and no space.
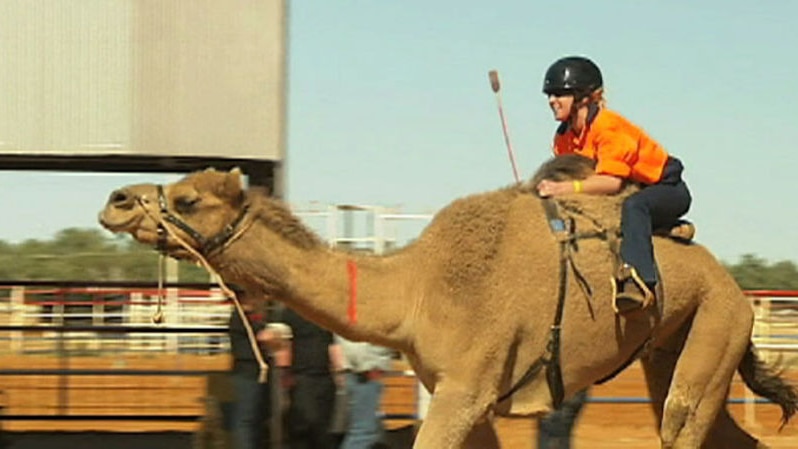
97,357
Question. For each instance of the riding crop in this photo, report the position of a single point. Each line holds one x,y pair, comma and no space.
496,86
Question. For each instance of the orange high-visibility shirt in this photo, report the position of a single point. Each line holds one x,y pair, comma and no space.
619,147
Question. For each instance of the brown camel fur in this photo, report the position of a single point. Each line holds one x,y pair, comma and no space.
471,301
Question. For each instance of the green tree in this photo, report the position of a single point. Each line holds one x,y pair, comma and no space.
86,255
755,273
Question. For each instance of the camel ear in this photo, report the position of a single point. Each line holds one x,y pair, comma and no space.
233,183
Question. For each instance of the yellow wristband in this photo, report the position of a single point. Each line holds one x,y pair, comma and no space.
577,186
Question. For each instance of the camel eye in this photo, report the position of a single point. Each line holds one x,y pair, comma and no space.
184,204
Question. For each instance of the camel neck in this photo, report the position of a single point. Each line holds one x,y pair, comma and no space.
317,283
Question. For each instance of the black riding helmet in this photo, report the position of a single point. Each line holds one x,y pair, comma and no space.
573,74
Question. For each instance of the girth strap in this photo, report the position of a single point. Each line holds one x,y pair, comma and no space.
553,369
565,236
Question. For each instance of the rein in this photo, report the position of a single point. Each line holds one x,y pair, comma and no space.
567,237
166,220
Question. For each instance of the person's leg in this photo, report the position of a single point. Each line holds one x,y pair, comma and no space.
300,409
364,421
320,418
654,206
248,412
556,428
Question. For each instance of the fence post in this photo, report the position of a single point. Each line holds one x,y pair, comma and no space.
17,317
422,402
172,307
762,308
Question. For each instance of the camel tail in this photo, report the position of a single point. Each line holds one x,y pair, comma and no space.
766,381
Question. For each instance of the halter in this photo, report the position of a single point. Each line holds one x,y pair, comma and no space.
205,245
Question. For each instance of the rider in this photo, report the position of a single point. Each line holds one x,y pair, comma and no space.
622,152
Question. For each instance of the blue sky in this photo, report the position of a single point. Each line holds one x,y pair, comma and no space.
389,103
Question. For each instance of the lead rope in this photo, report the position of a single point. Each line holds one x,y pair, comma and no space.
157,317
253,342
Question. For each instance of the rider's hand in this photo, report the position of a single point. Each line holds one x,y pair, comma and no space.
554,188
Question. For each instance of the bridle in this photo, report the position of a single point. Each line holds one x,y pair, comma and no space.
205,246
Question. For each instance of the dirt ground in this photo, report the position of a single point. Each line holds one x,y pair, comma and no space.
629,424
625,423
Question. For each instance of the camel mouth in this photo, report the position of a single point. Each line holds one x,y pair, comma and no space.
116,226
131,226
180,253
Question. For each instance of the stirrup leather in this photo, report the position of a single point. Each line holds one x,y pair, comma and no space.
625,274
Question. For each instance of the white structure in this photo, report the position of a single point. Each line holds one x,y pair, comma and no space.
179,78
375,229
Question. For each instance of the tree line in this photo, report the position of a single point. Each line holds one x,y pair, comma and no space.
86,255
92,255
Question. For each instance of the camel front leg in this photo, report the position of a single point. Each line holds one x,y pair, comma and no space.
453,416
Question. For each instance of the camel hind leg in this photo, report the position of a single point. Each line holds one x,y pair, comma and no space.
727,433
658,368
714,346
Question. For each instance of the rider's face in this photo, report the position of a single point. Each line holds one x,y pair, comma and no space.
561,104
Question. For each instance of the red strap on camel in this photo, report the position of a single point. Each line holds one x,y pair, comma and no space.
351,269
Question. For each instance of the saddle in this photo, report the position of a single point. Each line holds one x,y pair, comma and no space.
682,230
598,216
564,228
581,220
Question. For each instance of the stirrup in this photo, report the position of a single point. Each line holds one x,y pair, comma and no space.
624,300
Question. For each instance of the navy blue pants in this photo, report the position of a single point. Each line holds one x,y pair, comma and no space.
655,206
555,429
250,412
365,424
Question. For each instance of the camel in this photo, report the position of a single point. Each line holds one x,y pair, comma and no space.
472,302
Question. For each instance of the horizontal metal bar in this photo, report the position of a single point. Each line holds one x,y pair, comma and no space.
106,372
117,329
642,400
770,294
180,418
775,346
115,284
389,416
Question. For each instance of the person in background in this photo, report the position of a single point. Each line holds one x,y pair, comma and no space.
556,428
310,382
364,367
251,408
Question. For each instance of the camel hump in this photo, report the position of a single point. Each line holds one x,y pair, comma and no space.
563,168
682,230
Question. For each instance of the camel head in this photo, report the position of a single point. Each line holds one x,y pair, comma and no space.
205,209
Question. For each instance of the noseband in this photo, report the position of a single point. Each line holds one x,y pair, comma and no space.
205,246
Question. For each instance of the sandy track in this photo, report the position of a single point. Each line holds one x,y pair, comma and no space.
602,425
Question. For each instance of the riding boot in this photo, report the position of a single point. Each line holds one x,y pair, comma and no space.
630,292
